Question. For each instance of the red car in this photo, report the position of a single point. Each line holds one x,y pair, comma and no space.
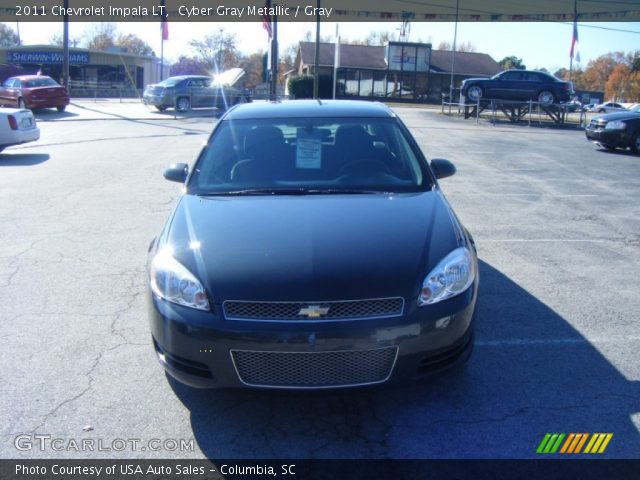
33,91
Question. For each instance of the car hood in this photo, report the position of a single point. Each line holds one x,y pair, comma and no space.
228,78
312,248
616,116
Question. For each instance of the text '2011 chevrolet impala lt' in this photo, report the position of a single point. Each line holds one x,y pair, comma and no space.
311,248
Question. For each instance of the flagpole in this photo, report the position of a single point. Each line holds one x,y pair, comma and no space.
336,60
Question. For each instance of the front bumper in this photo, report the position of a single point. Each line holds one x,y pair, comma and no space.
196,347
614,138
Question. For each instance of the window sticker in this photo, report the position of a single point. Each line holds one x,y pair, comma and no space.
309,149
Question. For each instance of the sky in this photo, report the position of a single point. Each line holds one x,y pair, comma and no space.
539,44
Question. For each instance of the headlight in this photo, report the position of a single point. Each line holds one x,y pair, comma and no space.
453,275
616,125
172,281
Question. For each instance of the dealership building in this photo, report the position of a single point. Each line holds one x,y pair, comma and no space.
398,71
113,70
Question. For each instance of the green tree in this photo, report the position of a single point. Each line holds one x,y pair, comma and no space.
8,37
512,63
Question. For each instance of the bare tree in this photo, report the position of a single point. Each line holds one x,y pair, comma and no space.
218,50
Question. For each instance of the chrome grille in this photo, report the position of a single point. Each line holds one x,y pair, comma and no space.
314,369
290,311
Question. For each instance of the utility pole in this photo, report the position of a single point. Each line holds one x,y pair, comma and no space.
273,87
453,52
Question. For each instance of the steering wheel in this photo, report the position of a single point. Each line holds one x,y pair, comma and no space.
363,168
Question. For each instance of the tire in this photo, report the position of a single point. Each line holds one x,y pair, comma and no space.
160,108
21,103
546,98
475,93
61,108
183,104
634,144
602,110
609,147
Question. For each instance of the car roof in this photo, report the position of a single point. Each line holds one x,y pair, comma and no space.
309,108
29,77
184,77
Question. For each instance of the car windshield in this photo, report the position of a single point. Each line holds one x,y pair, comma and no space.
309,156
40,82
171,82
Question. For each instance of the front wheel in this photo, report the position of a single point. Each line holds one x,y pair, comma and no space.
21,103
602,110
183,104
635,143
608,146
546,98
160,108
475,93
61,108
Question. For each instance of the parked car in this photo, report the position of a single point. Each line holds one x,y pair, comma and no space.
518,85
34,92
191,91
17,125
312,248
609,107
616,130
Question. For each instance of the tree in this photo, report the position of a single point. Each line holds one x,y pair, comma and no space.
252,66
189,66
511,63
100,36
461,47
621,86
134,44
219,50
8,37
598,71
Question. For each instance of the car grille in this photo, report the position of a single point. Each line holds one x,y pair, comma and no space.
595,125
314,369
290,311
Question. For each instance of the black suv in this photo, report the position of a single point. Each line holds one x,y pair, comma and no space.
518,85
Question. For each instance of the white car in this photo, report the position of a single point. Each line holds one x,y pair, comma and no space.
17,125
609,107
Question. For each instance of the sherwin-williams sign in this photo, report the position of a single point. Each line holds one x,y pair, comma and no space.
81,58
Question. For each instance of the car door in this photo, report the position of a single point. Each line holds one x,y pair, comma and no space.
509,87
6,95
531,84
198,93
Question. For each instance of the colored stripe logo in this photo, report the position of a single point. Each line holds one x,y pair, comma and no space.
574,443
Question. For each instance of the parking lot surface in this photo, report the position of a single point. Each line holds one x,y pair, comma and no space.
557,224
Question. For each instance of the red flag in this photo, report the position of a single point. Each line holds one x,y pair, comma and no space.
574,43
266,19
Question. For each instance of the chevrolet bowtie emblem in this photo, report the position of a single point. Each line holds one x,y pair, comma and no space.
314,311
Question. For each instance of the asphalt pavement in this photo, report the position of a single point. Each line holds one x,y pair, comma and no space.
557,223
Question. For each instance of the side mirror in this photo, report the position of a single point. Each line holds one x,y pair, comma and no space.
442,168
177,172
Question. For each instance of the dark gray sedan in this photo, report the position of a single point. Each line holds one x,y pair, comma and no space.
312,248
193,91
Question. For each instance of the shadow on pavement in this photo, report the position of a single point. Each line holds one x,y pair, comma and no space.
51,114
8,159
531,373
